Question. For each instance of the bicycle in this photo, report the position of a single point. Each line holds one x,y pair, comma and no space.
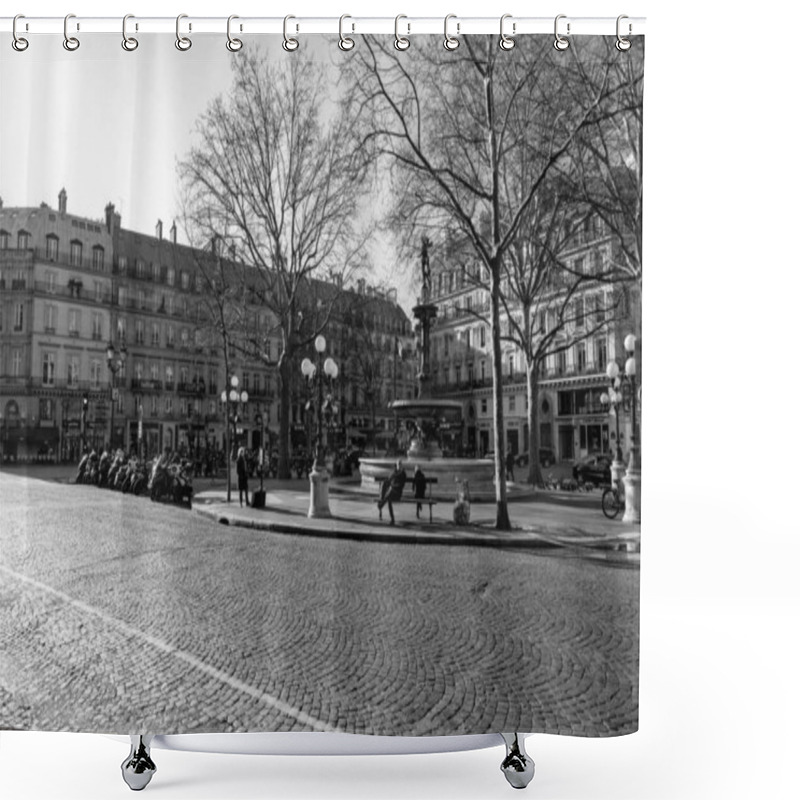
613,501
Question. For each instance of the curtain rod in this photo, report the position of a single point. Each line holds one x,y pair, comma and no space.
406,25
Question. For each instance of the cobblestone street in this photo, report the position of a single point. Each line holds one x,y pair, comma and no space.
120,615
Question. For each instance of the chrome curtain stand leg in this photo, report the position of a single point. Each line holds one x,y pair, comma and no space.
138,768
517,766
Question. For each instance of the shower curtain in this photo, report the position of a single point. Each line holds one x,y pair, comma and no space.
320,367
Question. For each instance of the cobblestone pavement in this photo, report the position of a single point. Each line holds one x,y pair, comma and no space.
120,615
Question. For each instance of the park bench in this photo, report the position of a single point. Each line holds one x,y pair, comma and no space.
427,500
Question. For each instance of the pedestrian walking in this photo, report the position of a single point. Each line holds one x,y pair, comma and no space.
419,482
241,474
392,490
510,465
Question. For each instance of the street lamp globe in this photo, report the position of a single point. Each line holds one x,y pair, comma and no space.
110,351
234,396
224,397
244,396
234,383
320,344
331,368
307,368
630,366
605,399
612,370
630,343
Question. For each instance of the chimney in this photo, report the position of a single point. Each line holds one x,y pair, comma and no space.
113,220
173,233
159,230
62,201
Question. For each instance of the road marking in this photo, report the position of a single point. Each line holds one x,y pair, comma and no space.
262,697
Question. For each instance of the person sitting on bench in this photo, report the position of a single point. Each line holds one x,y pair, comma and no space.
392,489
419,483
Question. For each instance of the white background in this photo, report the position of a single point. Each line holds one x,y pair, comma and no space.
720,603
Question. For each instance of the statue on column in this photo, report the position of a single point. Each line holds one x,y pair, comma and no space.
426,270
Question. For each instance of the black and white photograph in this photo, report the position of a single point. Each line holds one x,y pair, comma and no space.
321,386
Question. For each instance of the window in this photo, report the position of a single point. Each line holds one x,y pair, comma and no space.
578,312
138,372
121,328
170,304
168,404
16,363
184,337
511,365
184,280
600,354
483,336
4,237
154,372
599,309
19,316
153,405
512,402
48,369
50,318
139,268
484,405
169,375
184,376
97,326
580,356
156,334
23,240
171,276
170,336
98,258
46,408
483,370
140,299
98,291
74,324
52,247
94,373
73,372
139,331
75,253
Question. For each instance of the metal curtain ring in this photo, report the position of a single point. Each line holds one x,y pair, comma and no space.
290,44
183,43
400,42
71,43
507,42
622,43
345,42
128,42
233,44
451,42
561,43
18,42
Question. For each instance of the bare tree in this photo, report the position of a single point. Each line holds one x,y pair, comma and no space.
545,298
275,174
453,124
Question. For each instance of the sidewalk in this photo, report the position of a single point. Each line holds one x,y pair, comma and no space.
536,524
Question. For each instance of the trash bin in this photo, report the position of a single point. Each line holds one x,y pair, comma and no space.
259,498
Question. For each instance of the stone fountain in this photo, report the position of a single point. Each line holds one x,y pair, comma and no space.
425,419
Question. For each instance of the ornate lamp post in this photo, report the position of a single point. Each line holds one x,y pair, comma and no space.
232,396
115,360
327,369
633,474
613,398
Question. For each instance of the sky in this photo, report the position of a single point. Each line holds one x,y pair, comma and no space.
110,126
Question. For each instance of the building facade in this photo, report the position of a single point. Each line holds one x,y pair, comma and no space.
105,340
572,420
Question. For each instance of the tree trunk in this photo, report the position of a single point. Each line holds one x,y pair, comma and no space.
284,415
503,522
534,467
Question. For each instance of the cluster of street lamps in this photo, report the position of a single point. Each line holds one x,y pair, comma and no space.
632,480
324,372
232,401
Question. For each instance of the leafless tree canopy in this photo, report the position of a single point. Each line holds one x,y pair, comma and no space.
273,181
474,136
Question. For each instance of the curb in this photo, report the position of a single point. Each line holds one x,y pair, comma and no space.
607,551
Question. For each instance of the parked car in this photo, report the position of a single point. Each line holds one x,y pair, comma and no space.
595,468
546,458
